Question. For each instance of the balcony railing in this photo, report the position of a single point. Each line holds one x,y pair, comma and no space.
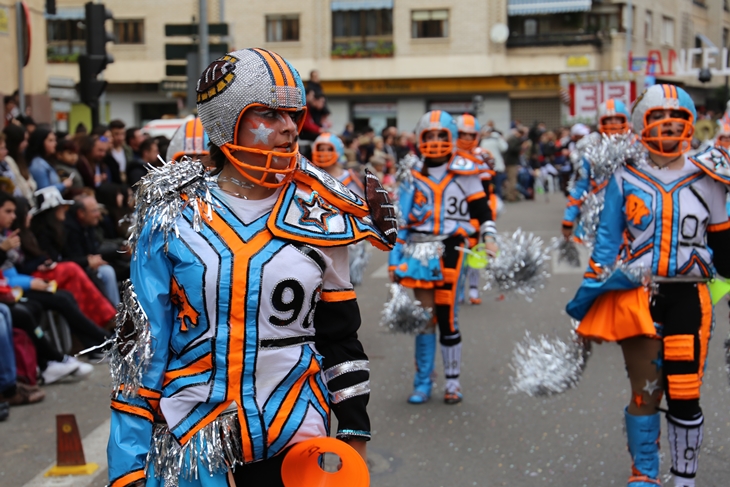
557,39
355,47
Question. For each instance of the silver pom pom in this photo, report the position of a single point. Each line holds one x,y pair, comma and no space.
545,366
165,192
403,172
568,252
359,254
609,153
401,314
131,345
424,252
520,266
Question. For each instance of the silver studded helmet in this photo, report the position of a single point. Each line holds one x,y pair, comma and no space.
240,80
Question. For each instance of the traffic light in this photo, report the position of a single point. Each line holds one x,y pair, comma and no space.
96,58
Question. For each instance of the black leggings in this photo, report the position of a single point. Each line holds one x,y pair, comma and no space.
266,473
446,294
64,303
684,313
27,316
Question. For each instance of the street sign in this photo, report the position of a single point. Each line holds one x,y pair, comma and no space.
61,82
68,94
181,51
173,86
189,30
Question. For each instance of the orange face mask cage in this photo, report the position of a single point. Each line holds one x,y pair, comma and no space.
291,158
725,144
323,158
193,155
613,128
466,145
436,148
654,144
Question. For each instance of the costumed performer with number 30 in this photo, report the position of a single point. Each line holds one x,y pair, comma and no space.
244,296
664,214
438,206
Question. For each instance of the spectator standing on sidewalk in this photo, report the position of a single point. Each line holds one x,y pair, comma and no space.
513,162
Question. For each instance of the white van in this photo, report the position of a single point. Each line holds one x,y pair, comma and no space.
166,127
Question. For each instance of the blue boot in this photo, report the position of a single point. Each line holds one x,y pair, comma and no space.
425,358
643,439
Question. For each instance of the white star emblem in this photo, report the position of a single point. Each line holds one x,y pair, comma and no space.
652,386
262,134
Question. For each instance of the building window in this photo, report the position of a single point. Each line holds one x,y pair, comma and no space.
726,5
362,33
668,31
66,41
648,26
429,23
530,27
129,31
725,36
282,28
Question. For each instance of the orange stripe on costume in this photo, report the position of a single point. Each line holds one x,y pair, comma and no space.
476,196
285,410
128,479
319,394
705,332
610,105
202,364
679,348
338,296
133,410
288,75
243,252
438,194
718,227
684,386
435,116
275,69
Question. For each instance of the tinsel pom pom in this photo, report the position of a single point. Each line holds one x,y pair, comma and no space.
590,217
424,252
405,165
402,314
359,257
546,366
568,252
609,153
521,265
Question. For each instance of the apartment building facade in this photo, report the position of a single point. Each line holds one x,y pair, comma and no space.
386,62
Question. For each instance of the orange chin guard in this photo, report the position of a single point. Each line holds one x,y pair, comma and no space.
435,148
323,158
291,158
301,465
655,143
613,128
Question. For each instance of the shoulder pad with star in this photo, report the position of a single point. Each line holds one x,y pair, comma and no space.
303,214
463,166
330,189
715,162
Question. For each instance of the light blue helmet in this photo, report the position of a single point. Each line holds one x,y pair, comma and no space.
436,120
324,159
190,139
612,108
664,97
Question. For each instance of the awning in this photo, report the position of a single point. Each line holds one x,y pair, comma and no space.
705,40
532,7
361,4
68,13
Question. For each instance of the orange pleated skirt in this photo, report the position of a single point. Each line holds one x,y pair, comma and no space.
618,315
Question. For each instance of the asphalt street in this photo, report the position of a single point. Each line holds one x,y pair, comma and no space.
493,438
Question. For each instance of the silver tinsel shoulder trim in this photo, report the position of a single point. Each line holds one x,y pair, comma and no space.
403,172
165,192
131,345
543,366
217,446
401,314
521,265
590,217
359,255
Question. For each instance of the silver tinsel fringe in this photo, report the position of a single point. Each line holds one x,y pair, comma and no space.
638,274
590,217
520,267
424,252
401,314
131,345
547,366
403,171
217,446
568,252
165,192
359,255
